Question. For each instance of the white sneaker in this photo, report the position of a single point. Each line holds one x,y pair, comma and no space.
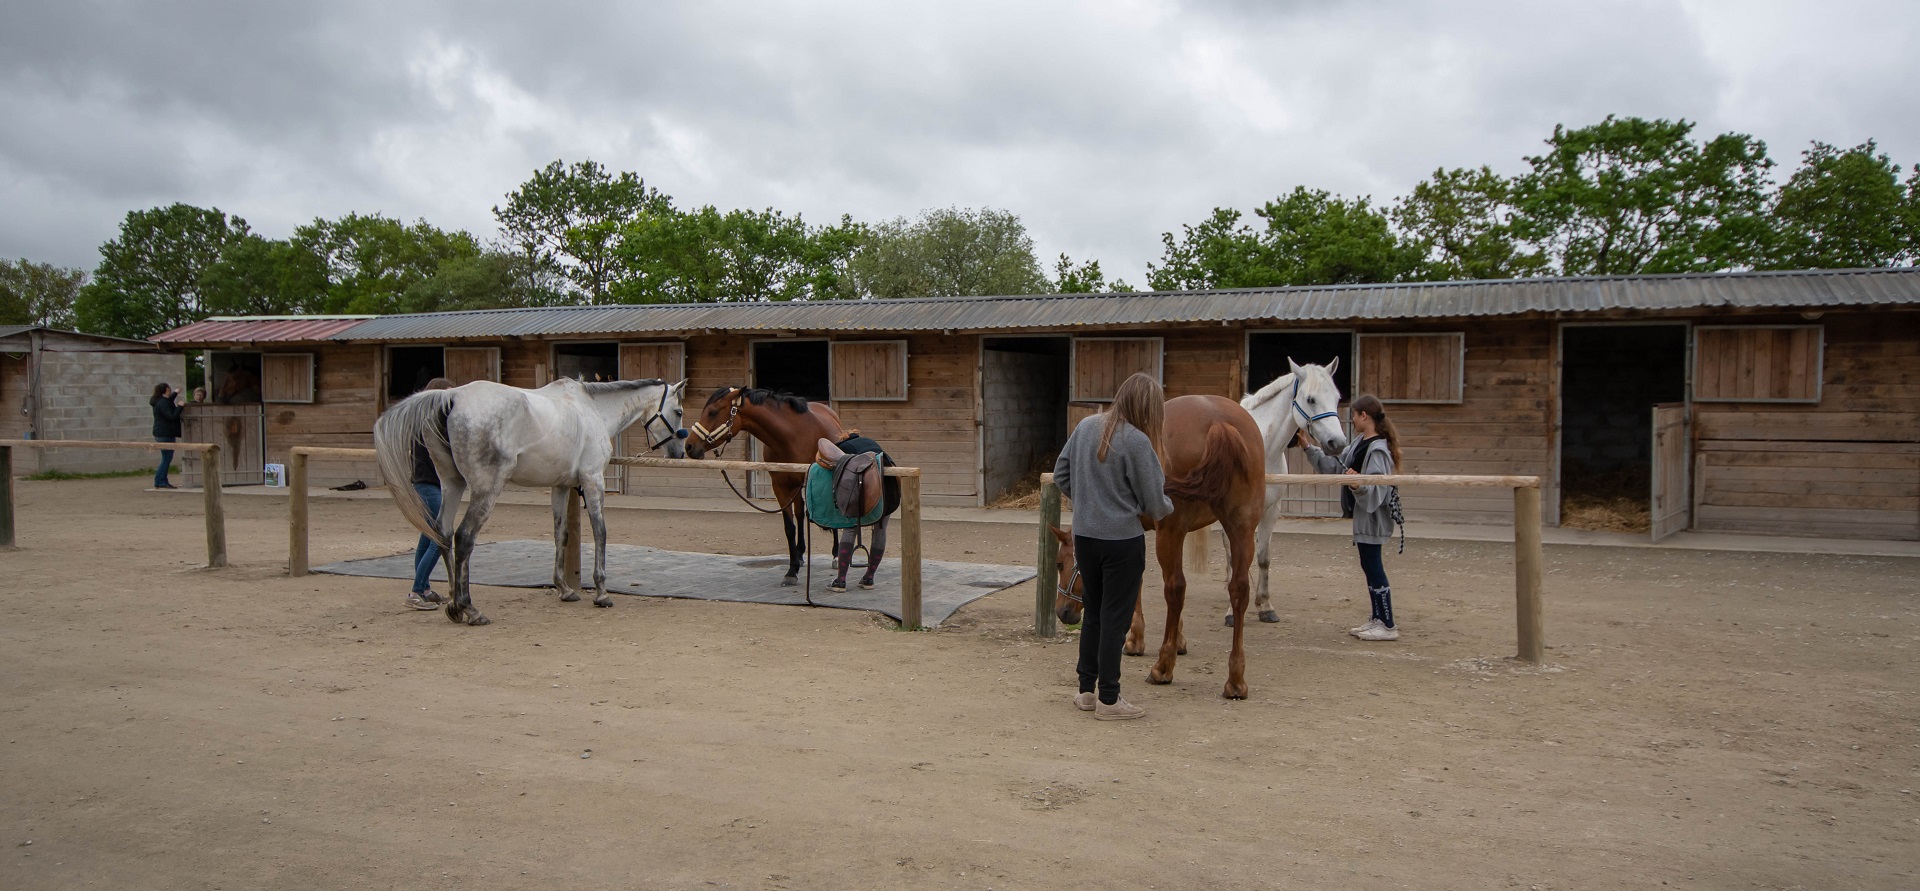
1381,632
1371,624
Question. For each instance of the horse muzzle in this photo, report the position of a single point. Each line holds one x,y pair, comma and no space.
1067,615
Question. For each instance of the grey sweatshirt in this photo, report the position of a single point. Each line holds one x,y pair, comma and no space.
1372,519
1108,498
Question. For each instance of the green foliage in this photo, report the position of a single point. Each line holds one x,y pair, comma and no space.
261,277
1628,195
704,256
149,278
38,293
949,252
1844,210
490,280
56,475
371,261
1085,278
1463,220
568,221
1312,237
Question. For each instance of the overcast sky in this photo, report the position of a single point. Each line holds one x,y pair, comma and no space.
1101,124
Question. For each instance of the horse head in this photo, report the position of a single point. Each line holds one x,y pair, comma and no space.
1068,590
1316,404
718,423
666,427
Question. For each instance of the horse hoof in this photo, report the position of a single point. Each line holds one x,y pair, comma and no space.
603,601
477,619
789,582
1229,620
1269,616
1139,652
1234,691
570,597
1155,677
1182,651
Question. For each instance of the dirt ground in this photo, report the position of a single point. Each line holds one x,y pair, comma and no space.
1704,720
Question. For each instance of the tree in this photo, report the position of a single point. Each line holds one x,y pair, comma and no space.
704,256
568,220
490,280
1085,278
261,277
371,261
1312,237
1844,210
38,293
1629,195
1463,219
950,252
149,278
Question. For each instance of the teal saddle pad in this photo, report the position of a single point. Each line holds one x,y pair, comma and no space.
822,510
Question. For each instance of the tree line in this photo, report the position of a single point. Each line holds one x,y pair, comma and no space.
1623,196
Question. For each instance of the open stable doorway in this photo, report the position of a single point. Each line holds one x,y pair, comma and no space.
1268,352
587,361
410,368
800,367
1023,396
1611,377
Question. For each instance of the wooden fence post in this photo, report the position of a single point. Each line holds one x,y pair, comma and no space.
1047,575
216,514
6,497
297,514
910,552
572,552
1527,560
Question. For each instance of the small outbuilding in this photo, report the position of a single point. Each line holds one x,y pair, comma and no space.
1780,402
57,384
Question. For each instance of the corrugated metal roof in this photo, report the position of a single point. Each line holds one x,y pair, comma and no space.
7,331
1435,300
260,329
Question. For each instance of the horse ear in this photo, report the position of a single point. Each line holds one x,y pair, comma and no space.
1334,365
1291,366
1063,536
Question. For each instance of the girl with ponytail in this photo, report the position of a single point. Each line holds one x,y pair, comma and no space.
1374,509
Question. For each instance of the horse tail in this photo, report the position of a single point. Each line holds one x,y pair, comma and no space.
422,416
1225,460
1197,550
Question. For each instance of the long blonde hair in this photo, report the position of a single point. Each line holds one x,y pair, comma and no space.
1141,402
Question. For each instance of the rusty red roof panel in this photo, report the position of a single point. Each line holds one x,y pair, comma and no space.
285,329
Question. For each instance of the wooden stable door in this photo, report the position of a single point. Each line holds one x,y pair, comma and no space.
640,361
1672,490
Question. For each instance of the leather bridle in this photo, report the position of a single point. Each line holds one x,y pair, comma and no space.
660,415
1066,589
1306,419
715,439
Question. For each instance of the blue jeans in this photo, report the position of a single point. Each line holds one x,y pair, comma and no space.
166,458
426,553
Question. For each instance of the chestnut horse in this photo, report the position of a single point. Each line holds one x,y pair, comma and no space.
1216,472
788,427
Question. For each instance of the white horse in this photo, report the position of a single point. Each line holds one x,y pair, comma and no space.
1306,398
484,435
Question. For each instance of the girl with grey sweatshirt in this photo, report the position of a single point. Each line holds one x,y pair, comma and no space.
1110,467
1376,450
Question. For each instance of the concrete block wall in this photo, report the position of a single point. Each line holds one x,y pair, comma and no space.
102,395
1025,418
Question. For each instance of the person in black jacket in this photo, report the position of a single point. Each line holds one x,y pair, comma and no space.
166,428
849,539
426,481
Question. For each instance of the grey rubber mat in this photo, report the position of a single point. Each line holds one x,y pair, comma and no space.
653,572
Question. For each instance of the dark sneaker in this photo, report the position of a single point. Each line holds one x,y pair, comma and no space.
866,584
837,586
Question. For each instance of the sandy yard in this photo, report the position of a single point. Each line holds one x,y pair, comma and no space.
1704,720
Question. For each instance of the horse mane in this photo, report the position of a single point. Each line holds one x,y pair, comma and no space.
594,387
761,395
1224,460
1267,392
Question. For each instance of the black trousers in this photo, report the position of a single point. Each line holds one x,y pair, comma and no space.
1110,581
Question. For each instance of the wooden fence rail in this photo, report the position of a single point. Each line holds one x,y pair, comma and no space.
910,584
210,495
1527,558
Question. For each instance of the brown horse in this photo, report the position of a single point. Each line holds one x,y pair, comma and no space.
788,427
1216,472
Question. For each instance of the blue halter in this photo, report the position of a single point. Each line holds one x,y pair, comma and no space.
1305,418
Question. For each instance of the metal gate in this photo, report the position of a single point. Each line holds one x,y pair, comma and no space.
1672,490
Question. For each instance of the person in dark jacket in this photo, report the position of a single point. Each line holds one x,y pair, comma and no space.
1375,450
849,539
426,481
166,428
1110,467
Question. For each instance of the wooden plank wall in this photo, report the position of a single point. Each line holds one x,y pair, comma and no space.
1848,466
1502,426
1195,361
341,415
934,429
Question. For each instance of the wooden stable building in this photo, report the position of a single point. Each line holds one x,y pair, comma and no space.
1781,402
